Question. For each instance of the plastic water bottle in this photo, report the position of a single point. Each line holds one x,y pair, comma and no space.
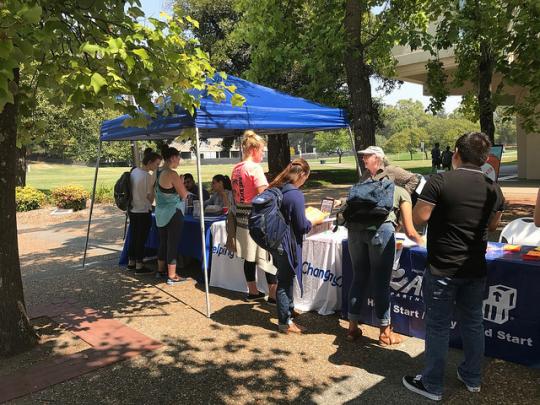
189,204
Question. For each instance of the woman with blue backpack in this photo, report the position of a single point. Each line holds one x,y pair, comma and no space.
289,259
372,246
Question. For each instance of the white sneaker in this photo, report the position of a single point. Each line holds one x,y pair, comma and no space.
469,388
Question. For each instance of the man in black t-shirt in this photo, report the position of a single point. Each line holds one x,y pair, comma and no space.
460,206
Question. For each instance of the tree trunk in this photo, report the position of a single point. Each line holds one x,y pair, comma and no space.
358,74
340,154
485,102
16,333
20,173
279,153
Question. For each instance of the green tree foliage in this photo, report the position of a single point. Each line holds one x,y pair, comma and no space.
215,33
405,114
408,139
85,54
53,132
325,51
337,142
447,130
490,39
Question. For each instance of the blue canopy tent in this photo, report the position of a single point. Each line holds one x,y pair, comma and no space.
265,110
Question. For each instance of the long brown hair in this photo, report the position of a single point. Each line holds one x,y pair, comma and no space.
291,173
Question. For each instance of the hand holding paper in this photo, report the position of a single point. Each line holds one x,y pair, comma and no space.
315,215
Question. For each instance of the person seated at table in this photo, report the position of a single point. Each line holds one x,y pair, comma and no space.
170,196
222,192
140,211
193,187
372,249
248,180
289,262
537,210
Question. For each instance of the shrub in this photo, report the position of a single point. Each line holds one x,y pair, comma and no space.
70,197
104,194
28,198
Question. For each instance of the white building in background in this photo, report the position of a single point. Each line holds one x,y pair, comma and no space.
411,67
209,149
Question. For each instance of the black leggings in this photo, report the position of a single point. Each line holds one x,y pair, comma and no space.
249,272
139,226
169,236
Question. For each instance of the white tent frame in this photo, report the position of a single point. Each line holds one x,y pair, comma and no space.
201,209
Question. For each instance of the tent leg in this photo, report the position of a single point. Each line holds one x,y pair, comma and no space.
92,204
201,213
354,153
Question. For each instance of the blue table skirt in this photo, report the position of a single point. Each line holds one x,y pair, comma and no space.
190,243
511,306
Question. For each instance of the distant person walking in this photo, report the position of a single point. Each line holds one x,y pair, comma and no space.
435,158
446,159
460,206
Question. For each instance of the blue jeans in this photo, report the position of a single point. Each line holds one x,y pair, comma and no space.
284,293
441,294
372,256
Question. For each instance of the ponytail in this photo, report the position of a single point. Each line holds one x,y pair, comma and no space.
291,173
227,185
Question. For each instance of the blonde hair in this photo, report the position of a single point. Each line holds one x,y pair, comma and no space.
251,141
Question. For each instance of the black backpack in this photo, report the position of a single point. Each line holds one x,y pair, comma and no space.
122,191
369,202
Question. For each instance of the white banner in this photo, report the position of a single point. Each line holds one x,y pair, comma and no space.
228,269
321,273
322,279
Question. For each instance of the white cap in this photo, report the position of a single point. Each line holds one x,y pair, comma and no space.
372,150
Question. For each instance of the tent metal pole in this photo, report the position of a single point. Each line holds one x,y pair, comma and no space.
354,152
92,204
201,217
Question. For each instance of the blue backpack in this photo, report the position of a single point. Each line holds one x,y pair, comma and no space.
266,224
369,202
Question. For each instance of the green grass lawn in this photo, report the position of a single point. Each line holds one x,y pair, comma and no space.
45,176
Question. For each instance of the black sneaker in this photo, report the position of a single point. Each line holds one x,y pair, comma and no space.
415,385
255,297
143,270
131,267
271,301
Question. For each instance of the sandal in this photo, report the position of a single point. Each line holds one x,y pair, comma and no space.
353,335
390,339
292,328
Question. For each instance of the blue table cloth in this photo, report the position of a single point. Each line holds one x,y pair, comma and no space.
190,243
511,304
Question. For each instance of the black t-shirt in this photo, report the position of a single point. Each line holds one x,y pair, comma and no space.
465,200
